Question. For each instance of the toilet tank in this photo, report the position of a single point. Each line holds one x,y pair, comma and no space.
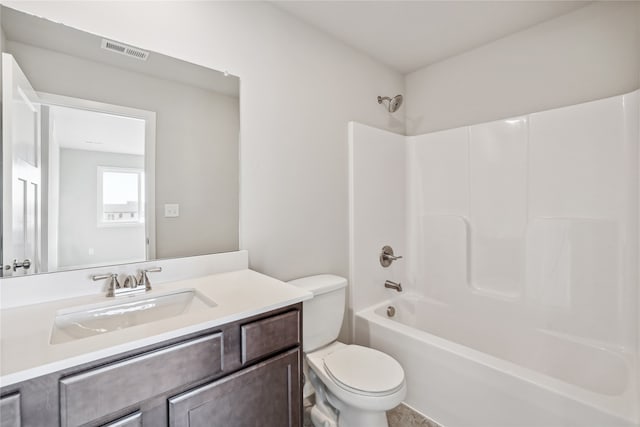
322,315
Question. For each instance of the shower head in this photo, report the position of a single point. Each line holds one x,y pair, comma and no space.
394,103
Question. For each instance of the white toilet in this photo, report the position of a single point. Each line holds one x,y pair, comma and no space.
354,385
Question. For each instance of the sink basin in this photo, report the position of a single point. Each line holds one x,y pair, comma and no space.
82,322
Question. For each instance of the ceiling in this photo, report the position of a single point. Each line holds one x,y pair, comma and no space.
28,29
409,35
94,131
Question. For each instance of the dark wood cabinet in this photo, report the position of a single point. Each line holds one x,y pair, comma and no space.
245,373
263,395
99,392
270,335
132,420
10,411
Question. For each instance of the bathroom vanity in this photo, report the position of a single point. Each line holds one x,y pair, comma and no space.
236,363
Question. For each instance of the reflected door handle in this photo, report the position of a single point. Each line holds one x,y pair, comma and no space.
24,264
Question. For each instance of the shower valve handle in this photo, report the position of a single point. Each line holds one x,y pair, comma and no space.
387,256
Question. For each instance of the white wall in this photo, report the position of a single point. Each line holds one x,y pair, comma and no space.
80,240
377,195
588,54
196,166
299,90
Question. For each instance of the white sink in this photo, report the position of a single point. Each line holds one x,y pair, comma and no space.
82,322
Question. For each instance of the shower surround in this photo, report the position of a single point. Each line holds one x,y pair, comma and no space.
520,268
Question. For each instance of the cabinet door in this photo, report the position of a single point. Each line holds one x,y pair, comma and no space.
132,420
10,411
265,395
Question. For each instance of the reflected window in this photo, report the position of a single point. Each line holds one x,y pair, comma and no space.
120,196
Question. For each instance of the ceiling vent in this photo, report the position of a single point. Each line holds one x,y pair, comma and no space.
123,49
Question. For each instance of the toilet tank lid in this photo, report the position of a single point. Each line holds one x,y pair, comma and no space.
320,284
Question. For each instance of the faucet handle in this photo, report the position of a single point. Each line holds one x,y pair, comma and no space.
387,256
113,282
144,278
112,276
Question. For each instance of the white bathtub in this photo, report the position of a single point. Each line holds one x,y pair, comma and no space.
476,373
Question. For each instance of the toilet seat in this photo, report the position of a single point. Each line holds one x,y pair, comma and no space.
364,371
345,397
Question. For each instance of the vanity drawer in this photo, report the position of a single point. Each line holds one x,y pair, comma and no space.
133,420
99,392
10,411
267,336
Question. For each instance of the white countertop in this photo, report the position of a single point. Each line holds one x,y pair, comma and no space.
25,332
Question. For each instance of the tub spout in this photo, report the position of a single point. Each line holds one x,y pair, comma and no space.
393,285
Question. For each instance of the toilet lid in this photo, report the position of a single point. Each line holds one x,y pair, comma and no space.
364,369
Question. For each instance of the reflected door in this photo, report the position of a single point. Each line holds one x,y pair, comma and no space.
20,172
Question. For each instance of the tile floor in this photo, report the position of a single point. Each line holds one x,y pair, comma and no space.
403,416
400,416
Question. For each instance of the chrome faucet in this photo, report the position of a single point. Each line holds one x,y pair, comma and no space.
393,285
131,284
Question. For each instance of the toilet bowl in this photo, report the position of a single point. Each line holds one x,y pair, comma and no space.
359,382
354,385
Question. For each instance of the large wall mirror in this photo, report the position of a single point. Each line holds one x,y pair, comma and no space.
111,154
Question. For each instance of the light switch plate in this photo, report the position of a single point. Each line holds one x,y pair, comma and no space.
171,210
